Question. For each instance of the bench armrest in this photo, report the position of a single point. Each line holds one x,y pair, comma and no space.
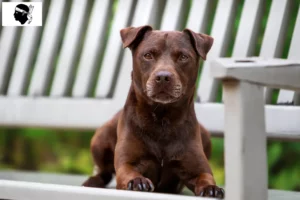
245,129
275,73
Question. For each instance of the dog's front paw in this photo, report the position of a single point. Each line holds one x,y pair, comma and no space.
211,191
140,184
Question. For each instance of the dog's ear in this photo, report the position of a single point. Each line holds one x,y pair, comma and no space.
131,35
201,42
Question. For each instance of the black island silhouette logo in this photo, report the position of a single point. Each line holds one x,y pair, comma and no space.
23,13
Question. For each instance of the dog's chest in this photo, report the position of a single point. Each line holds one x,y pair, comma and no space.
164,141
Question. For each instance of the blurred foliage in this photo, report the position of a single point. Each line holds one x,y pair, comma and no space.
62,151
68,152
46,150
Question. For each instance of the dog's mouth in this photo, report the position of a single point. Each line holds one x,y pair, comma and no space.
164,96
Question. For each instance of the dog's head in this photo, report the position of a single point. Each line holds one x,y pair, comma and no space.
165,63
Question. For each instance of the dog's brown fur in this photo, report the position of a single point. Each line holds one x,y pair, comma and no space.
156,143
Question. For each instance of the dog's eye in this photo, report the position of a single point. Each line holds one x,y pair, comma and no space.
148,56
183,57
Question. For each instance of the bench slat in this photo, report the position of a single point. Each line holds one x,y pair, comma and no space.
47,50
113,51
142,16
294,53
223,21
24,58
0,15
198,16
76,180
273,40
94,41
89,114
272,43
66,62
7,46
172,17
35,191
248,28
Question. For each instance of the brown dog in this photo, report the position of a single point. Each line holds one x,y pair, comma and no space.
156,143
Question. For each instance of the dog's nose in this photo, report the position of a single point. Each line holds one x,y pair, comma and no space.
163,77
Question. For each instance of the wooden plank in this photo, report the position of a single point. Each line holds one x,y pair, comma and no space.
48,112
23,61
45,177
294,53
275,73
66,62
272,43
249,25
221,30
142,16
114,51
273,40
89,114
245,141
198,16
276,124
18,190
0,16
248,28
172,17
94,41
7,46
42,177
70,179
47,50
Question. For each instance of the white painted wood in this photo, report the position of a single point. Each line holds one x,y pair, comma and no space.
248,28
172,16
113,48
276,124
23,61
142,16
276,73
272,43
76,180
245,142
47,50
249,25
7,46
198,16
94,41
45,177
273,40
18,190
222,25
89,114
42,177
48,112
0,15
294,53
66,62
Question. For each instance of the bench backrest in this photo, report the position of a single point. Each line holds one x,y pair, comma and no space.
78,52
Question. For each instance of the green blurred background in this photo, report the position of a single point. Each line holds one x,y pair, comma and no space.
64,151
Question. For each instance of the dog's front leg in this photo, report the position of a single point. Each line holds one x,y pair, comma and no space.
197,174
128,178
130,164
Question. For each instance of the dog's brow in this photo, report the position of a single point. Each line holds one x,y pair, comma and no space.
182,51
152,50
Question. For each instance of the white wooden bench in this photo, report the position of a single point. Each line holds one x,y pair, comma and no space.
72,73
